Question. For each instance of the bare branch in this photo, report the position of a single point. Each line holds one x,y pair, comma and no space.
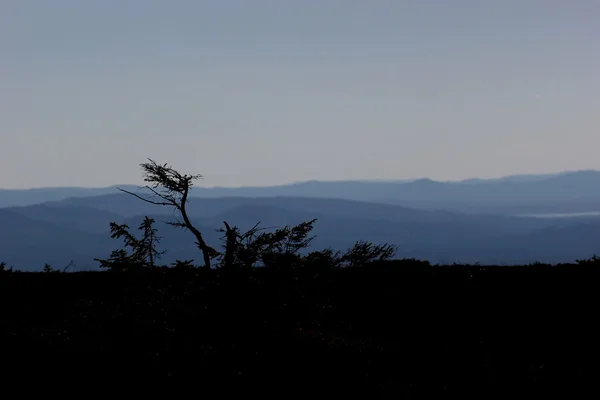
144,199
169,197
176,224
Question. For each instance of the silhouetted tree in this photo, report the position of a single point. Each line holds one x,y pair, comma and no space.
147,245
170,188
47,268
144,252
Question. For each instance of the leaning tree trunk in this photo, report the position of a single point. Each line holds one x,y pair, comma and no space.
202,246
199,239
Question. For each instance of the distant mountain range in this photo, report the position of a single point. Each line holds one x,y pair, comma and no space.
566,192
71,230
27,197
467,221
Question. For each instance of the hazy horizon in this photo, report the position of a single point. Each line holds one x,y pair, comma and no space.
274,92
203,184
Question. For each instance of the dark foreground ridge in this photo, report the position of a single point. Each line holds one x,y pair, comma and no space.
395,329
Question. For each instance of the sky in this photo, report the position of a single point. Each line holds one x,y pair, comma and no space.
267,92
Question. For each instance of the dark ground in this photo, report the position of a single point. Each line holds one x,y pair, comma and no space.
385,331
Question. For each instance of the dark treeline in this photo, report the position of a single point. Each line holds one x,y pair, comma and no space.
386,328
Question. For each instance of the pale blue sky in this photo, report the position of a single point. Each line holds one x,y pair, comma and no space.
257,92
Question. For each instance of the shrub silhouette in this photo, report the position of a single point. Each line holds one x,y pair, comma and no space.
119,260
363,253
266,248
360,254
47,269
594,260
183,264
3,267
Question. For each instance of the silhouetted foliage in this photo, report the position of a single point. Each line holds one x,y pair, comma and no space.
183,264
363,253
147,245
594,260
281,247
47,269
170,188
3,267
323,259
242,249
120,260
144,252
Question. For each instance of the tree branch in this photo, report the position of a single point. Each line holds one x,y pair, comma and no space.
146,200
176,224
